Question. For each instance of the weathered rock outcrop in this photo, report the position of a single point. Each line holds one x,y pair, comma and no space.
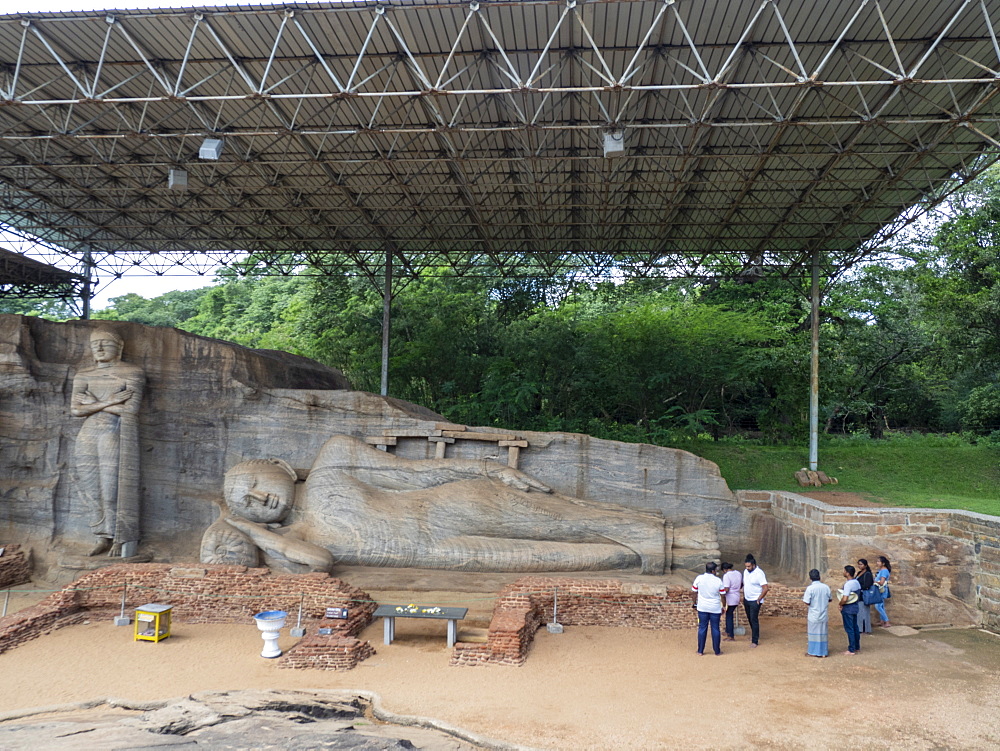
285,719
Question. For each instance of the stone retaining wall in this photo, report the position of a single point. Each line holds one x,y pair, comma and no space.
946,563
523,606
199,594
983,533
15,566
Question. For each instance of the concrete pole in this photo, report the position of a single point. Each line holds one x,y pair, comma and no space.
386,320
814,370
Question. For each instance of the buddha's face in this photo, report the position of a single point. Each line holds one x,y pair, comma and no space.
105,349
259,492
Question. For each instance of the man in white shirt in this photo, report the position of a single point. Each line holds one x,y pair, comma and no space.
817,597
755,588
707,592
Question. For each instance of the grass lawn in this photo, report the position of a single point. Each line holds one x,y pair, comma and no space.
902,472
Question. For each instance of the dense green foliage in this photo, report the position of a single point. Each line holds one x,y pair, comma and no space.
913,346
55,310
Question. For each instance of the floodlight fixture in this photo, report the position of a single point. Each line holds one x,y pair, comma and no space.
614,142
211,148
177,179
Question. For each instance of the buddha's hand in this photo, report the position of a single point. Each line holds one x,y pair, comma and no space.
517,480
120,397
265,499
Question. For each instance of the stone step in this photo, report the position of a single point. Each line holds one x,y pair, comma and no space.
473,635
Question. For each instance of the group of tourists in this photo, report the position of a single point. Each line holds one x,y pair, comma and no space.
713,595
861,590
708,591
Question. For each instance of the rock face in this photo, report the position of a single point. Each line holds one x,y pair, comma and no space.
209,405
286,720
932,578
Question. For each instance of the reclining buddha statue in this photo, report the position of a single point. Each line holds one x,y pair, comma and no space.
362,506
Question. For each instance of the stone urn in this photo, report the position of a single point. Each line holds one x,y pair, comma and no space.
270,623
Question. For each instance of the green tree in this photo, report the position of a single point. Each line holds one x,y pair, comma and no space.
53,309
265,312
878,354
960,275
170,309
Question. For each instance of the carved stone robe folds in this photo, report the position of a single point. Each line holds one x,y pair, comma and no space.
106,456
371,508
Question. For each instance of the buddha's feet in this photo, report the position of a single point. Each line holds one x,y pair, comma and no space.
103,546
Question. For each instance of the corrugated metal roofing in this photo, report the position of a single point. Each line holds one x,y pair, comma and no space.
470,133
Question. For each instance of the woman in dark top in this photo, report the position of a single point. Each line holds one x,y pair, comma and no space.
867,580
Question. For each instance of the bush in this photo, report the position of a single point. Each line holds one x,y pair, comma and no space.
981,409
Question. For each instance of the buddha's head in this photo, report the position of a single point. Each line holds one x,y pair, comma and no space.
106,346
260,490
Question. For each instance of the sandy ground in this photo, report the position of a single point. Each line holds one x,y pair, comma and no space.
588,688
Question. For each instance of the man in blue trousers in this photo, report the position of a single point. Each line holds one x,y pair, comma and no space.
707,592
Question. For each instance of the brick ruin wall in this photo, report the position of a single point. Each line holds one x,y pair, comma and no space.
526,604
208,594
15,566
233,594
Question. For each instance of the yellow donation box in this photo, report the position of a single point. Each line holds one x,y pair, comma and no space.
152,622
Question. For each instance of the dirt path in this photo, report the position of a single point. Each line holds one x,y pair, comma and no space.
589,688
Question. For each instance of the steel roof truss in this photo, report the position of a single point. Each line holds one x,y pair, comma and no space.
447,128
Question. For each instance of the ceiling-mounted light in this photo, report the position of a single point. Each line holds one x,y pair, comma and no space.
614,142
211,148
177,179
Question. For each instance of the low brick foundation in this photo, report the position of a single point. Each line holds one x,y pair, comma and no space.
198,594
233,594
15,566
526,604
334,651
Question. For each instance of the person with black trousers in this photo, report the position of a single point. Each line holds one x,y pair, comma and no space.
755,588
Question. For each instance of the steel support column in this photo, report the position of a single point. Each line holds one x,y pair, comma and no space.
88,285
386,321
814,368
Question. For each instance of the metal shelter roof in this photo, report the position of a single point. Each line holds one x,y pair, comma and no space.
24,277
468,134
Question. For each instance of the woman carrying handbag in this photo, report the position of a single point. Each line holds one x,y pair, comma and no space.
882,582
867,581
